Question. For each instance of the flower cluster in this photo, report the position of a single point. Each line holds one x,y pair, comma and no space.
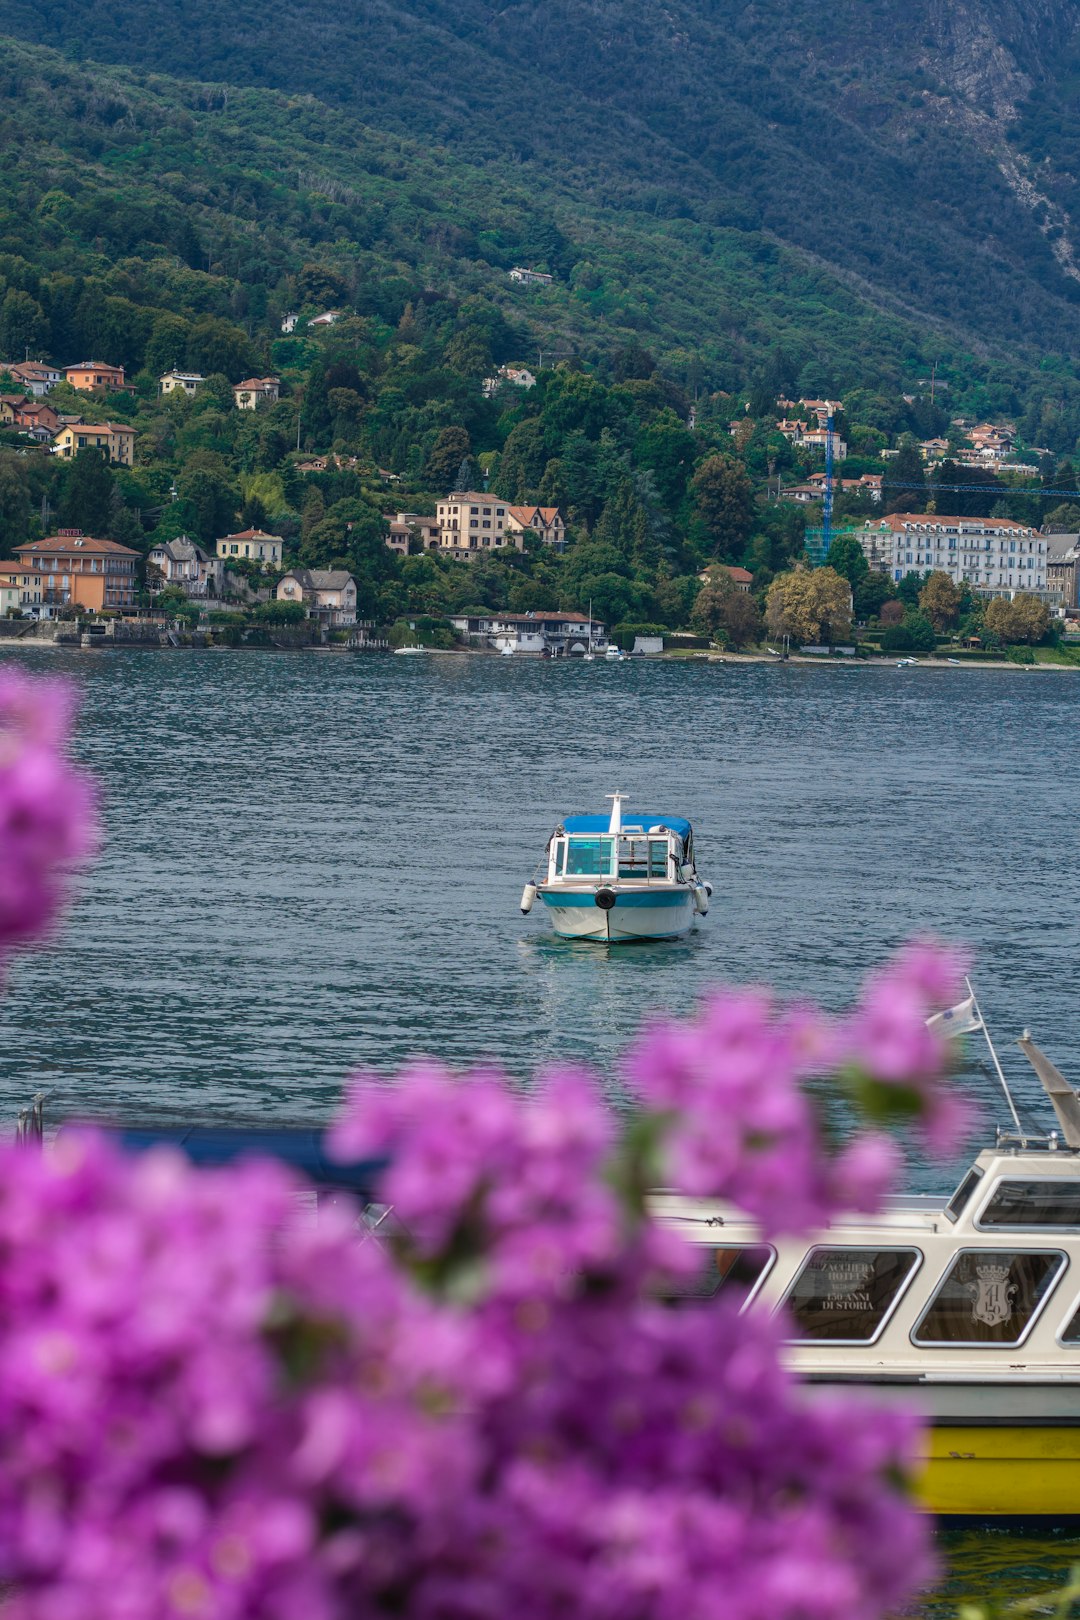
737,1085
213,1406
213,1409
47,806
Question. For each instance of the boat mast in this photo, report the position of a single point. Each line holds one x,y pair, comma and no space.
615,824
993,1054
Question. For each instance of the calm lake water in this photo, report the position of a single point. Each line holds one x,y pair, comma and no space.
314,862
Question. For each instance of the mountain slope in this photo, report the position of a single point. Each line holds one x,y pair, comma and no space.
887,140
125,197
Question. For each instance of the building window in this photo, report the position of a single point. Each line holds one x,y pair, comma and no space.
989,1297
846,1295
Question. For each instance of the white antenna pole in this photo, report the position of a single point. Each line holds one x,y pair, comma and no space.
997,1065
615,824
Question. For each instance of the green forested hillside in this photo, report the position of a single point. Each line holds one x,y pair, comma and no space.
887,141
722,226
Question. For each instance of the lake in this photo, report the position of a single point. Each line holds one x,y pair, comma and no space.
314,861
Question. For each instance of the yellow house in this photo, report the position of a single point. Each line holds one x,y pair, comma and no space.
20,585
116,439
184,382
252,545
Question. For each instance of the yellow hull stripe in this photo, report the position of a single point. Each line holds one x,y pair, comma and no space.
1002,1472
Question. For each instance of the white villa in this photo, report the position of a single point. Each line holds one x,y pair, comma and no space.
995,556
555,634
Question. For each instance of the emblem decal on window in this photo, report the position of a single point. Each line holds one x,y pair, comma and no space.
992,1295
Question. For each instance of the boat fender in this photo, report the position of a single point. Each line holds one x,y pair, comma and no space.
606,898
528,895
701,899
686,873
708,890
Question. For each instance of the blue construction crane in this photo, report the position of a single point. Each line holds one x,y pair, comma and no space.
826,510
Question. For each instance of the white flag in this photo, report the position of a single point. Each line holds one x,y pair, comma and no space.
958,1020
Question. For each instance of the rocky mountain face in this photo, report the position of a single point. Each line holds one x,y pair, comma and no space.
920,148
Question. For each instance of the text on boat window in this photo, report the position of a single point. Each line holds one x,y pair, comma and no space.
845,1295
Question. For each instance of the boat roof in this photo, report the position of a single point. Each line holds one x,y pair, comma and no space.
630,819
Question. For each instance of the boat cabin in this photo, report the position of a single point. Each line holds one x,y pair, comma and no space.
929,1286
584,849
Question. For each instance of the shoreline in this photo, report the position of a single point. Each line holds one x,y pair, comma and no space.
1004,666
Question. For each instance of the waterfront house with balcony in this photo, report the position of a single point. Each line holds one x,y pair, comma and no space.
329,594
554,635
77,570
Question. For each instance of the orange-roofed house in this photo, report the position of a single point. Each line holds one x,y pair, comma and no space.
741,578
546,522
252,545
115,439
255,391
96,376
76,570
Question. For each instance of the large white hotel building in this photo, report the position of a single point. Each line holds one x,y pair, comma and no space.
995,556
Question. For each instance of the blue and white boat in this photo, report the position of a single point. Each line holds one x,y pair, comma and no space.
630,875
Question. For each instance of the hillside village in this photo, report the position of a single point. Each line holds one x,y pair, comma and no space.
478,545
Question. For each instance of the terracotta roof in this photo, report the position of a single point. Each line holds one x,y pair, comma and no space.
525,514
897,520
84,544
535,618
257,382
253,534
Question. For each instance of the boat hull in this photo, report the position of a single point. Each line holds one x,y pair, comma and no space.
1007,1470
647,914
1003,1448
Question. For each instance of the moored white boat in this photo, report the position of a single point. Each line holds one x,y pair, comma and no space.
620,877
965,1308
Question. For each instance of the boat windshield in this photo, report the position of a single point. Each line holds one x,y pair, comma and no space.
643,857
589,857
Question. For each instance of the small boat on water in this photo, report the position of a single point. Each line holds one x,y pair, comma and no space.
620,877
409,652
965,1308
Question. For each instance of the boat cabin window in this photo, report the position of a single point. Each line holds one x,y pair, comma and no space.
643,857
989,1296
734,1272
589,857
846,1296
959,1200
1033,1203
